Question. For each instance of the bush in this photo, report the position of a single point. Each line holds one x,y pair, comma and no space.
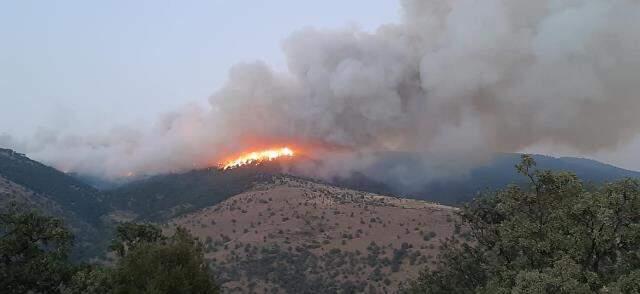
34,259
555,237
172,265
34,253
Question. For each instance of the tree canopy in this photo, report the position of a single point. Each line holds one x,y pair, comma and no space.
157,264
33,253
34,259
556,236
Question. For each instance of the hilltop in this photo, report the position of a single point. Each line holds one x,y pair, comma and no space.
298,236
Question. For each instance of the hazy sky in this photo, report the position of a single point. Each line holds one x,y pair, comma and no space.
92,64
86,66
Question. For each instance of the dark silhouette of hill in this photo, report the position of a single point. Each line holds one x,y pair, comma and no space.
27,185
493,175
69,193
165,196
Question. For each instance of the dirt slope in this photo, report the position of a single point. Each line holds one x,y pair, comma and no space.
297,236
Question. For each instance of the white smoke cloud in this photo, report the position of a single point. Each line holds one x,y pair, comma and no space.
454,78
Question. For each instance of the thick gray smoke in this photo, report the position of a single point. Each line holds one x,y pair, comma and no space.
454,78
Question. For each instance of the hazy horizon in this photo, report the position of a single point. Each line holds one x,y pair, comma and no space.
79,69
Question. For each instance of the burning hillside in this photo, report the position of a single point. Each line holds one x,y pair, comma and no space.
452,80
256,157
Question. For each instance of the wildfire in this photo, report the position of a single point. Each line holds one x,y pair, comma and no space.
258,156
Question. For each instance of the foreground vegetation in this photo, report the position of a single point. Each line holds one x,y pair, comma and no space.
559,236
34,252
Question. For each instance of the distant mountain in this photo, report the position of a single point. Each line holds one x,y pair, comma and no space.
99,183
496,174
26,184
165,196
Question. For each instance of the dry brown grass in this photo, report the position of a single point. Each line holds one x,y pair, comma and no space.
325,221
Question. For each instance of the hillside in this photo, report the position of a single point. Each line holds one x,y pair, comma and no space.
296,236
69,193
89,241
165,196
26,184
15,196
381,177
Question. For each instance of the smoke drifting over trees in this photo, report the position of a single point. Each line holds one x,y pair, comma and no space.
452,79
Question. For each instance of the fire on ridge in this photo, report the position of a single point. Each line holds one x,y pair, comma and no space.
258,157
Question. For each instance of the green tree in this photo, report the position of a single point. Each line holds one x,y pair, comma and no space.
557,236
33,253
90,279
152,263
130,235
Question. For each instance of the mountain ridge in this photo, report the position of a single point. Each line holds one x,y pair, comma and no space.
70,193
494,174
163,196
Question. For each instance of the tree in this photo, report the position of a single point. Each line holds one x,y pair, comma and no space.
152,263
90,279
33,253
130,235
557,236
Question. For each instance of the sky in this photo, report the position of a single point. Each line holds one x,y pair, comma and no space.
88,66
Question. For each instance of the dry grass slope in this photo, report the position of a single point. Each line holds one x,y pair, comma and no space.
297,236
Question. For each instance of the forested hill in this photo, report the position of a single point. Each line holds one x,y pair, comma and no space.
69,193
495,174
165,196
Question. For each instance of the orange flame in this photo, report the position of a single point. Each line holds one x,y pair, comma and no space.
258,156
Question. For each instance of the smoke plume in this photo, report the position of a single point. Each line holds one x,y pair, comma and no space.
453,79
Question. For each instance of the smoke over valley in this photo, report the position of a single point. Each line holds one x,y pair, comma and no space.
454,81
